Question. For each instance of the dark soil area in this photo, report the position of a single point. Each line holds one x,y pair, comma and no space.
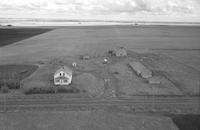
187,122
11,35
22,71
11,76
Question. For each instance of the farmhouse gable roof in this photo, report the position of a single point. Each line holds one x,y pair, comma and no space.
64,69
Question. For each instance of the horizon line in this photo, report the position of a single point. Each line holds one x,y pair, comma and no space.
97,20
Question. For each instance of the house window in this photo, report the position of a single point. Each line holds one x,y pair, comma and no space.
60,74
65,81
57,80
63,74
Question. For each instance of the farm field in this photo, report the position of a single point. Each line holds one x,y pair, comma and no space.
22,70
163,49
72,41
169,52
11,76
83,120
12,35
186,57
184,77
130,84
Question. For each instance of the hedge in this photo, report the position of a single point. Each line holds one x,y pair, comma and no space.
49,90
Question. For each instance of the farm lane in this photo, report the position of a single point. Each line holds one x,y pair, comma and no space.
139,101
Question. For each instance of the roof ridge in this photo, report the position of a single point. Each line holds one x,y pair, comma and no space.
64,68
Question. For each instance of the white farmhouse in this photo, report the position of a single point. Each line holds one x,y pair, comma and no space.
63,76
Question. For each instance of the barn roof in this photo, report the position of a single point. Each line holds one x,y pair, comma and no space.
64,69
140,69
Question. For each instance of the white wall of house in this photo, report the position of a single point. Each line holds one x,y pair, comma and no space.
65,79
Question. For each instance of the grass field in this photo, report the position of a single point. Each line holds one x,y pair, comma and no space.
184,77
130,84
174,55
83,120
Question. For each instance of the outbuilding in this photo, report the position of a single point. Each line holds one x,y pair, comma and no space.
140,69
63,76
121,51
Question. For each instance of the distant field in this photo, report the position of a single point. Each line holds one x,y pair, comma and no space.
11,35
70,41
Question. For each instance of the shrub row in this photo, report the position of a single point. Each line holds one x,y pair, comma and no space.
4,89
38,90
11,84
67,90
48,90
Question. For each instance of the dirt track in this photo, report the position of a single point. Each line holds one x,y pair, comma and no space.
169,104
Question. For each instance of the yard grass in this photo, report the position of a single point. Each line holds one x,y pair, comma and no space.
184,77
42,81
129,84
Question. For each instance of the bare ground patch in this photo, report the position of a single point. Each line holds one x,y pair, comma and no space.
182,76
130,84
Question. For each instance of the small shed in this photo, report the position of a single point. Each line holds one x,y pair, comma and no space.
154,80
63,76
121,51
85,57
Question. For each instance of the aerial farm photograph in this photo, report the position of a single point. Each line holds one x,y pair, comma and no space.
99,65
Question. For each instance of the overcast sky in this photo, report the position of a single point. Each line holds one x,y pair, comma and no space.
145,10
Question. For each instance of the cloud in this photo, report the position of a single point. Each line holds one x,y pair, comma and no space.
102,7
